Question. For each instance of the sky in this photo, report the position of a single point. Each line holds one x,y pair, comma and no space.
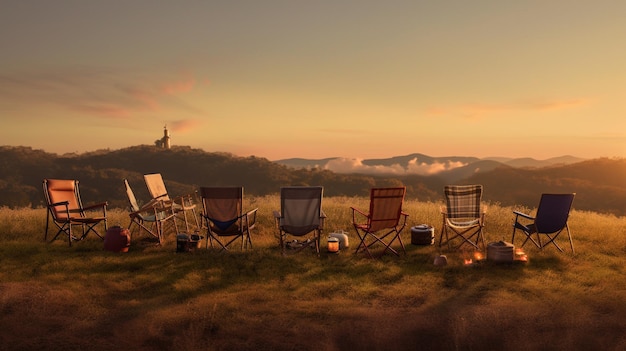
316,79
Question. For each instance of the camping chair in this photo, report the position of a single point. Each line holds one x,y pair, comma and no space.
550,220
384,222
224,220
155,212
463,216
300,214
66,210
181,204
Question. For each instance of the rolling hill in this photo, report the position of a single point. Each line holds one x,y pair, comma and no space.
600,184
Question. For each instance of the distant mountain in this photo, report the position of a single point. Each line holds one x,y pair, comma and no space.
449,167
599,184
532,163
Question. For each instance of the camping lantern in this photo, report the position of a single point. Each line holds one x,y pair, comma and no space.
342,237
182,243
333,245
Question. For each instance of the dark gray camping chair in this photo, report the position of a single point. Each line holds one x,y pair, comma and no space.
300,215
550,220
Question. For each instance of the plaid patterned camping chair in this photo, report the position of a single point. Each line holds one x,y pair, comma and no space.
463,216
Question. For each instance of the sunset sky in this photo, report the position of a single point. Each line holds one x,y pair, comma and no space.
316,79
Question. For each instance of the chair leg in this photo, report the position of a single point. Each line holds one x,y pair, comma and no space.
571,243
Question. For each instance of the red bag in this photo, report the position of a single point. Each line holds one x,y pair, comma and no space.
117,239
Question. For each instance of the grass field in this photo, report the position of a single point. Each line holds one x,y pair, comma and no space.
54,297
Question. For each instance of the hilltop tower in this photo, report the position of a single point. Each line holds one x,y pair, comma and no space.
165,142
166,138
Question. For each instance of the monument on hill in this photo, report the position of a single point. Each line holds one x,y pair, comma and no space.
164,143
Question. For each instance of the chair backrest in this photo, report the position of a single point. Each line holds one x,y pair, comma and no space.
463,201
553,212
385,207
223,205
134,205
59,190
301,208
156,186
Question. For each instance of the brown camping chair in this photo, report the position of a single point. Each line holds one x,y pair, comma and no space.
181,204
66,210
156,213
463,216
224,220
384,222
550,220
300,215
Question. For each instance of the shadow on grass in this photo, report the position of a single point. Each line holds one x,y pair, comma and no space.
155,298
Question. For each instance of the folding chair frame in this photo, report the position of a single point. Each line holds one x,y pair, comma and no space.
72,217
181,204
302,192
463,216
159,214
389,226
552,233
240,225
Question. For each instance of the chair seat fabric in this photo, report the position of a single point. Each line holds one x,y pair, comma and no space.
383,224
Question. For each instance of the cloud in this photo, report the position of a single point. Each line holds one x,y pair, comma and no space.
95,92
415,167
482,110
178,87
184,125
546,105
354,165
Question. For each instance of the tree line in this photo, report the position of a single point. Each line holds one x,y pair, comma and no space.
600,184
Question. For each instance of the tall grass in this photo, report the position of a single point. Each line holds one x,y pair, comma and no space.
56,297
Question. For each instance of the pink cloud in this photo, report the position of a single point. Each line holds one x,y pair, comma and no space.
183,125
178,87
96,92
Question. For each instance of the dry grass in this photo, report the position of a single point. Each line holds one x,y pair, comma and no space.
152,298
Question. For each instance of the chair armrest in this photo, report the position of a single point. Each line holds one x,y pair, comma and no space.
181,200
251,212
322,214
356,211
150,205
250,217
518,213
277,214
156,206
98,205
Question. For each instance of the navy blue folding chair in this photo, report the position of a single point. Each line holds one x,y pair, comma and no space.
549,221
